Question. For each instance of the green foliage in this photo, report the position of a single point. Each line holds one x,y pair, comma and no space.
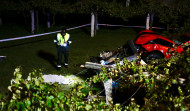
165,82
171,13
174,14
32,93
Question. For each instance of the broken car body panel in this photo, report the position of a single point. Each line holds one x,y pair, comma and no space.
146,43
149,41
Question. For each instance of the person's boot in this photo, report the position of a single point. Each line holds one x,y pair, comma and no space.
58,68
66,65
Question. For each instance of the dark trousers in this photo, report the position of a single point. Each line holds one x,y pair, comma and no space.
62,50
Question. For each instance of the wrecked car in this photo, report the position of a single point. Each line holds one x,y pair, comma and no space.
153,46
148,44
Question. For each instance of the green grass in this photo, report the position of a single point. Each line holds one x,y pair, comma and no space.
41,53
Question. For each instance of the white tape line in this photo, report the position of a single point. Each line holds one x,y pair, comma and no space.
122,25
78,27
3,56
24,37
135,26
30,36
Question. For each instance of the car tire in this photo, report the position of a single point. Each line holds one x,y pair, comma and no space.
132,46
152,56
125,49
95,59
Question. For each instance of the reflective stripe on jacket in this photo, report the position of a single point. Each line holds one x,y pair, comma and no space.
62,39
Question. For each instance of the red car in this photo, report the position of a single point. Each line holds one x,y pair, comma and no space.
152,45
149,44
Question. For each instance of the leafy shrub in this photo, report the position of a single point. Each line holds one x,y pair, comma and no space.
165,84
34,94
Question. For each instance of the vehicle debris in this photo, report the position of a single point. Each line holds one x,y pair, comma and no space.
148,45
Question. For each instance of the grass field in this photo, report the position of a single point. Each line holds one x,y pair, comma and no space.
40,52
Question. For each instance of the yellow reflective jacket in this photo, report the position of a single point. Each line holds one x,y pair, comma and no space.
63,39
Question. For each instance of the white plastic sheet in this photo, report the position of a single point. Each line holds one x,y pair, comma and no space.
108,91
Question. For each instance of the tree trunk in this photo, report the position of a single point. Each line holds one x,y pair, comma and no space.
127,3
147,21
48,18
37,21
32,21
92,24
108,92
151,20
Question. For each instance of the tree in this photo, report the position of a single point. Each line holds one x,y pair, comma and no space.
112,8
49,7
176,13
127,3
147,8
30,7
90,7
173,13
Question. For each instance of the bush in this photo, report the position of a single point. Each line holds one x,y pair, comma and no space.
165,83
32,93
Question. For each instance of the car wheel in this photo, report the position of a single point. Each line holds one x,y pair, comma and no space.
132,46
95,59
152,56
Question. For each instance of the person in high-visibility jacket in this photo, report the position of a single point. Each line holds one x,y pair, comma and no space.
62,42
